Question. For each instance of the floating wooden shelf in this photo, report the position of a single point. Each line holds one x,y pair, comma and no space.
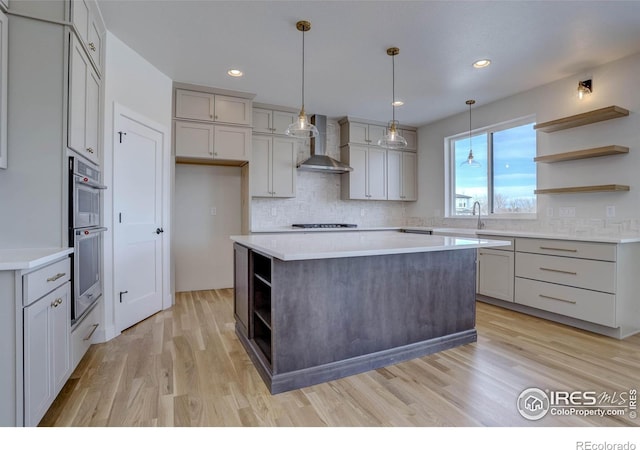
582,154
580,189
598,115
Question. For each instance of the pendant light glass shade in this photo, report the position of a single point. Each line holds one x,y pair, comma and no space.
470,161
393,139
302,128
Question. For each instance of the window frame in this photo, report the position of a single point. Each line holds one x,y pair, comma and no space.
450,168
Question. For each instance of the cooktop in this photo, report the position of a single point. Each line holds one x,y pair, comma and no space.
324,225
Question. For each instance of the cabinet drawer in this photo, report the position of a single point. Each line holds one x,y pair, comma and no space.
39,282
572,249
581,273
82,334
596,307
499,238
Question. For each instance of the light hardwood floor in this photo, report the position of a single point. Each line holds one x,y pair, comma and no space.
185,367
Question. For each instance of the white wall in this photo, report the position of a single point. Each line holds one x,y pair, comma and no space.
612,85
134,83
318,199
203,252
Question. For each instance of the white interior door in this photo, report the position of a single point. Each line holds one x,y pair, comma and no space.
138,228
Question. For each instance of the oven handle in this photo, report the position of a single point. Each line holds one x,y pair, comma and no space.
89,182
90,231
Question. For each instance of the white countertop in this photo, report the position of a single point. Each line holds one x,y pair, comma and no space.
28,258
527,234
293,247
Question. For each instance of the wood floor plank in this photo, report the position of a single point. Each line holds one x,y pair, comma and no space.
185,367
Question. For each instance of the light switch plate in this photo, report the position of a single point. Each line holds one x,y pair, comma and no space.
611,211
567,211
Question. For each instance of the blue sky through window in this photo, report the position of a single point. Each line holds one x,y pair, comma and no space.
514,171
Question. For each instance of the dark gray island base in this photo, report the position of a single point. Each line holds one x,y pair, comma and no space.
305,322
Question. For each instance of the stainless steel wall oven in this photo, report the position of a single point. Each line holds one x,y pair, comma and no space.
85,234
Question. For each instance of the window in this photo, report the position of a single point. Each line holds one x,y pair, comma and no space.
502,178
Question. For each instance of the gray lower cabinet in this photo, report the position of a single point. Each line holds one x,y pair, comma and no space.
46,352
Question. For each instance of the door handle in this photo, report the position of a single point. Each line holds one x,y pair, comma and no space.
159,230
122,293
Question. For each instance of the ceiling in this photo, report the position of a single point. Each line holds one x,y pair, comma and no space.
347,69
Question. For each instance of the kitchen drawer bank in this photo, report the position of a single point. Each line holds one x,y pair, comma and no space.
587,285
310,309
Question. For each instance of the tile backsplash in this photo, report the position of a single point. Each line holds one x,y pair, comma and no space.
318,199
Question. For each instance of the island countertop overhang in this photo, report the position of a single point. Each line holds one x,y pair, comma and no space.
296,247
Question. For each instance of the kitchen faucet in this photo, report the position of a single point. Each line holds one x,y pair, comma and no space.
480,224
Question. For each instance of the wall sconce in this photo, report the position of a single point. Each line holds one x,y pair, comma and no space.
584,87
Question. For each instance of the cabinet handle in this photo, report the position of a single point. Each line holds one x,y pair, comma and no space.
556,298
572,250
215,153
56,276
216,117
95,327
57,302
92,46
559,271
90,150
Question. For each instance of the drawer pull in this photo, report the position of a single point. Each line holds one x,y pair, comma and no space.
572,250
55,277
559,271
57,302
556,298
95,327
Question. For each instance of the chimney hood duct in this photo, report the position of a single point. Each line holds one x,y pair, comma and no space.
319,161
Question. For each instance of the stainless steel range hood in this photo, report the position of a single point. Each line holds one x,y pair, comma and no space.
319,161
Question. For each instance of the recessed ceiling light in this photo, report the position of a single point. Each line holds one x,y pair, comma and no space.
397,103
235,72
479,64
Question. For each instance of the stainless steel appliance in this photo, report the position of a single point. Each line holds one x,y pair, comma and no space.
85,194
324,225
87,264
319,161
85,234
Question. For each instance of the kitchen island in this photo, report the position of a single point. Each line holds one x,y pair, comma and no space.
311,308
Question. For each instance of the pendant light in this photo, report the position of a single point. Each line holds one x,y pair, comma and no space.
302,128
470,161
392,139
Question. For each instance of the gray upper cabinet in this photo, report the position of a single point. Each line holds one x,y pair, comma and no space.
84,103
411,138
209,107
90,30
270,121
4,51
360,133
